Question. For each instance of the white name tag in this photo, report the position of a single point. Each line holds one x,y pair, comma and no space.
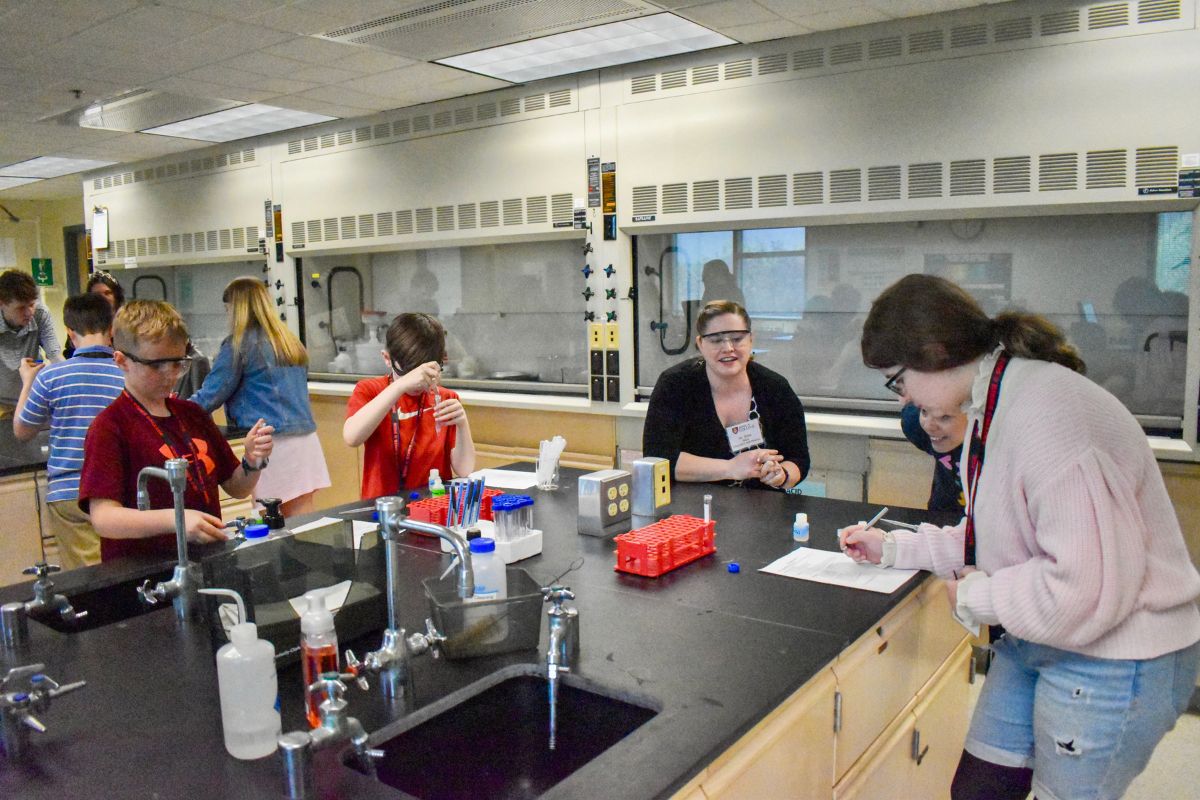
744,435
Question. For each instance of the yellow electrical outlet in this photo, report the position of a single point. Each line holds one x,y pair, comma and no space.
610,336
595,335
662,484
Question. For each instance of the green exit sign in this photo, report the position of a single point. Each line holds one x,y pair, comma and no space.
43,271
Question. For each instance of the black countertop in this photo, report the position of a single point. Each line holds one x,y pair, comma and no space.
716,651
19,457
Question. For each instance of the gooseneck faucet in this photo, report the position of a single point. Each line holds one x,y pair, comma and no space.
184,583
392,662
14,630
17,708
564,646
337,727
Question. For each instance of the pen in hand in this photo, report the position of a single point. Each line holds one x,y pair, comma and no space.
874,519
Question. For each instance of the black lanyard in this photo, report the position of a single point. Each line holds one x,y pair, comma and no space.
395,417
975,453
196,480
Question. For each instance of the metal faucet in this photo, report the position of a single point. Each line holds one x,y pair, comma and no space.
564,645
392,662
14,630
17,707
296,748
184,583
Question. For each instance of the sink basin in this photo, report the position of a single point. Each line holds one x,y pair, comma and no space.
490,739
106,604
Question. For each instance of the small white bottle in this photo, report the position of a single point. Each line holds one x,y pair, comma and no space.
436,487
800,528
491,582
249,688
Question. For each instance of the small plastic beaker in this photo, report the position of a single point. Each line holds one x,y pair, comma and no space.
547,474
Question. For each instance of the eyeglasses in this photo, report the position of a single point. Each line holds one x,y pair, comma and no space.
735,338
160,364
895,384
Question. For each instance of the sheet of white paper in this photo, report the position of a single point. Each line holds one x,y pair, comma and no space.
361,529
506,478
317,523
838,569
335,598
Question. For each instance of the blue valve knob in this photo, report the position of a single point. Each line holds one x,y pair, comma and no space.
610,270
587,270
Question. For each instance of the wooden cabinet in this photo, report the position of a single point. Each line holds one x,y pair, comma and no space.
344,463
19,545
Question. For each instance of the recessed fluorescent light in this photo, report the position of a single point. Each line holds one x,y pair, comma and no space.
590,48
252,119
8,183
51,167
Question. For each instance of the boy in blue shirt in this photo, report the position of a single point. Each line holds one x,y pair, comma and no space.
66,397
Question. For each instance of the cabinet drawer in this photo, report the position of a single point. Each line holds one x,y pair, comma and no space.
943,715
938,634
886,771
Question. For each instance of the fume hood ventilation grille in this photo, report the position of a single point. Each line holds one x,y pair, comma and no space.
990,29
1152,168
165,247
556,209
424,121
192,166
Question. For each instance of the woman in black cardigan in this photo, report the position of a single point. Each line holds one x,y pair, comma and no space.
725,418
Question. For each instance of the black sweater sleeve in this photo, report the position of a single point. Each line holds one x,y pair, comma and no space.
783,417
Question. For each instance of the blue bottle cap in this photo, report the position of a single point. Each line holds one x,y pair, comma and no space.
734,567
414,495
257,531
483,545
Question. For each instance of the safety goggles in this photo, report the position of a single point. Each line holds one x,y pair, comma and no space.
735,338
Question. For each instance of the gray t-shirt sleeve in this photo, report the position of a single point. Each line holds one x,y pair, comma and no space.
47,336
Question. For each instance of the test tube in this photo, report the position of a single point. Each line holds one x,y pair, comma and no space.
526,516
707,508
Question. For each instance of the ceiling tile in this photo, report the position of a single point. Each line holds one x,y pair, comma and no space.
728,12
199,88
344,95
91,10
316,106
146,28
232,39
371,61
324,75
842,18
299,21
765,31
230,9
265,64
313,51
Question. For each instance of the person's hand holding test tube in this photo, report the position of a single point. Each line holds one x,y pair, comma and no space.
862,542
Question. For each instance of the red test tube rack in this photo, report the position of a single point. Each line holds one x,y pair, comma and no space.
666,545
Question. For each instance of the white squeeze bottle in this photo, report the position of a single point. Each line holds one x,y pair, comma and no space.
800,527
249,688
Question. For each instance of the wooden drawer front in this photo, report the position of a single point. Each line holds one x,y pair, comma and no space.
788,754
344,463
877,677
19,545
943,715
939,634
886,772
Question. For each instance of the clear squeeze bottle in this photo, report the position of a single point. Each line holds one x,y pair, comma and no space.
318,650
436,487
249,688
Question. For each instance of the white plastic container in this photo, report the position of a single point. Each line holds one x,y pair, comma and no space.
800,528
249,689
318,649
490,580
436,487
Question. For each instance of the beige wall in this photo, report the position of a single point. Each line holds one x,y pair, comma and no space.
42,222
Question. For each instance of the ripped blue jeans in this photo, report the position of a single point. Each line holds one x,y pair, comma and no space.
1087,726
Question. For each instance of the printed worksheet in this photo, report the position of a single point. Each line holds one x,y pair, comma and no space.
838,569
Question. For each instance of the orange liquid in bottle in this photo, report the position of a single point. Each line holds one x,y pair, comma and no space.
314,662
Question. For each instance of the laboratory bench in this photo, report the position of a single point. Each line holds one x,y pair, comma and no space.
763,686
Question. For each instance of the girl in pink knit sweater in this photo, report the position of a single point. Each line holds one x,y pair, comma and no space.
1070,549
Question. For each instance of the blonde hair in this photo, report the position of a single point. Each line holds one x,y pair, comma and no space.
251,306
147,320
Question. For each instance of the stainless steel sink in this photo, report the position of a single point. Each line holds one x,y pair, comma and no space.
490,739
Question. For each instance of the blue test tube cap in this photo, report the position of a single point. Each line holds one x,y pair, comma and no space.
734,567
257,531
414,495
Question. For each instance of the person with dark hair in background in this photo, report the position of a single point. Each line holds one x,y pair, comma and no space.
66,397
106,286
724,417
940,433
1070,543
719,284
408,422
25,328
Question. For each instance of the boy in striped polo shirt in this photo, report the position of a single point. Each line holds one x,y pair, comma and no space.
66,397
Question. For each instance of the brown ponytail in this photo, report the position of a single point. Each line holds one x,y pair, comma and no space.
1035,337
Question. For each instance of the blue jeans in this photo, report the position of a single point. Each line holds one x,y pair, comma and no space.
1087,726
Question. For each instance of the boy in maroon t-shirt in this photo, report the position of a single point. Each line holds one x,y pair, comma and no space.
144,427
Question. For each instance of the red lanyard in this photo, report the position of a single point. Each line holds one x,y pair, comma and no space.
975,454
396,434
195,481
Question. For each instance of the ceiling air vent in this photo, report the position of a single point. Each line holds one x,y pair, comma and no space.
445,218
345,137
643,84
239,239
152,245
674,79
425,220
310,143
404,222
705,74
385,223
535,211
562,208
443,119
510,106
535,102
1059,22
742,68
560,98
1107,15
645,200
1013,30
845,185
968,177
739,193
1058,172
466,216
513,211
1106,169
420,124
888,47
808,188
327,140
1012,174
464,116
489,214
177,243
366,225
382,130
772,191
808,59
846,53
968,35
1159,10
247,156
314,230
212,238
675,198
483,111
198,238
172,171
297,234
401,127
767,65
349,227
883,183
141,247
926,42
1156,166
362,134
706,195
118,248
187,242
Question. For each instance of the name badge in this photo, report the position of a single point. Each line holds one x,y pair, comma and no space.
744,435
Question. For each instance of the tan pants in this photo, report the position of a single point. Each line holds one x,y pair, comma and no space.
7,411
78,542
